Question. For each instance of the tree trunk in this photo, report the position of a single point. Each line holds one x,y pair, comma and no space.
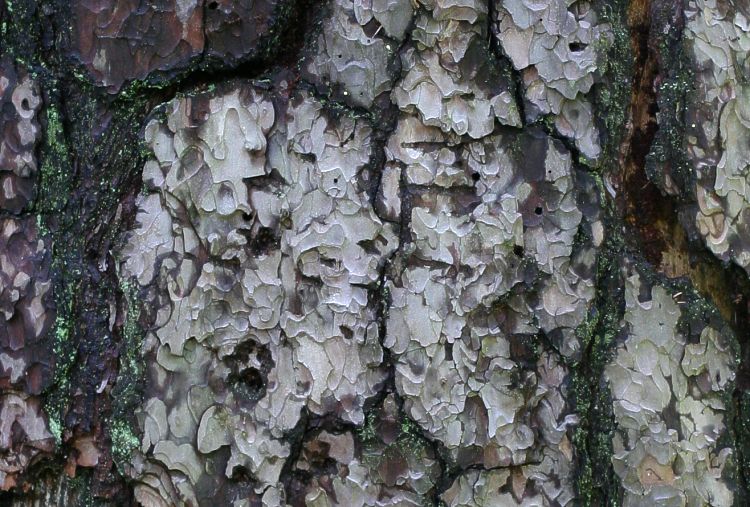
374,252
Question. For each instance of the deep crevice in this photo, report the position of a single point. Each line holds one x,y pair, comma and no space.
655,218
656,224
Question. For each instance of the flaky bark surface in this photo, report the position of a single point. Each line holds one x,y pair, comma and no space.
374,252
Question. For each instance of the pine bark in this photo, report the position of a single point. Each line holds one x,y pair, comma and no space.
374,252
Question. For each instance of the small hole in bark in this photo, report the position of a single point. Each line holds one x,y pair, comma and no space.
347,332
213,5
17,432
25,104
264,241
538,210
518,250
576,47
475,176
335,180
331,263
251,378
240,473
678,466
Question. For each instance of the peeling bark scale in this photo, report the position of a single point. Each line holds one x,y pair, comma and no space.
375,253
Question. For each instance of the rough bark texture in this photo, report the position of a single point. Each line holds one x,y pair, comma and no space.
374,252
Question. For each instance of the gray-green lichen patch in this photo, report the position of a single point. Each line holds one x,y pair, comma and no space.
554,44
670,386
129,387
615,63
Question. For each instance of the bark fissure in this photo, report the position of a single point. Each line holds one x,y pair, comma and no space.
656,222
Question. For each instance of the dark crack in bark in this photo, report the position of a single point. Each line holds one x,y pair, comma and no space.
656,223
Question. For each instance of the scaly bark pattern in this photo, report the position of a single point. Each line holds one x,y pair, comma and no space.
374,253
